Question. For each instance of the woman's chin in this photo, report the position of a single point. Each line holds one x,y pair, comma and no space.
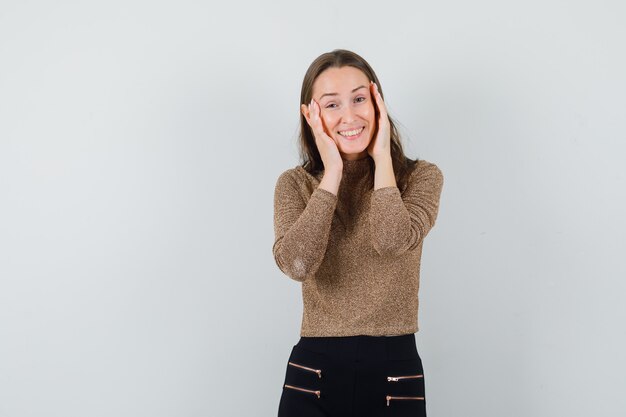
353,152
353,148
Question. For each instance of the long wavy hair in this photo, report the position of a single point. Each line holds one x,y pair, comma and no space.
311,160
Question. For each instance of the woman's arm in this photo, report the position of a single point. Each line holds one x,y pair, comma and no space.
399,222
302,228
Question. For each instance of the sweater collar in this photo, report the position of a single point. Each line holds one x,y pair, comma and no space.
358,168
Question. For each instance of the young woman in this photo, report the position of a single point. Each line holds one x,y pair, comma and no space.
349,225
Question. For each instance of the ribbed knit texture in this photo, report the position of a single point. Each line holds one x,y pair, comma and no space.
357,253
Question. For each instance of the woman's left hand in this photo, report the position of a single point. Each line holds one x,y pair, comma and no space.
380,146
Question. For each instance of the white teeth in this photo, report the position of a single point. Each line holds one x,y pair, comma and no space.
351,132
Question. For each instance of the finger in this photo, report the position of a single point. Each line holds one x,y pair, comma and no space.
322,124
374,94
323,128
317,120
314,122
379,100
314,118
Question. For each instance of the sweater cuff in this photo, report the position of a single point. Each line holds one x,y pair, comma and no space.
385,191
324,195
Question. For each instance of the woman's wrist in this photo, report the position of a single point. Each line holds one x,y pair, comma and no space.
330,180
384,174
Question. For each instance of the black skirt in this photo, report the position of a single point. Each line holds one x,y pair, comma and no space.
354,376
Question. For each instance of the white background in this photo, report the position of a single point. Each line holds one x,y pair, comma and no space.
140,142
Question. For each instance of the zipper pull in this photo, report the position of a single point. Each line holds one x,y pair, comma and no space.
388,398
392,378
319,373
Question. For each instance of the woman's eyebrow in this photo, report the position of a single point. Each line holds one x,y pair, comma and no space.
336,94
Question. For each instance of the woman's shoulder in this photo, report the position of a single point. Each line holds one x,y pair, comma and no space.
299,177
423,166
297,172
425,171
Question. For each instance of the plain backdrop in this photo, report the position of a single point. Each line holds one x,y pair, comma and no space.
140,143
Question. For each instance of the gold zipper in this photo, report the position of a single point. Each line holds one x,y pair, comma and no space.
397,378
317,371
390,397
305,390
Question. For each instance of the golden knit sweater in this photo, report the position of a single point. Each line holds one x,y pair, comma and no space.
357,253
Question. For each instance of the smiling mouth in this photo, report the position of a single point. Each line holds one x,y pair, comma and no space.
351,134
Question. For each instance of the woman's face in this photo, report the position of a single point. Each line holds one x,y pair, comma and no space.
347,109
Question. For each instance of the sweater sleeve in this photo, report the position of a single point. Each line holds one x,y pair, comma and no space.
301,228
399,222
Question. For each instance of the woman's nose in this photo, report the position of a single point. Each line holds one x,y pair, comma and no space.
348,114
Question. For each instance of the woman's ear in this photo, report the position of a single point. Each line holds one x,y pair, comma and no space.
305,112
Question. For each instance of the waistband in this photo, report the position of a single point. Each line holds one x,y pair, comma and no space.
363,347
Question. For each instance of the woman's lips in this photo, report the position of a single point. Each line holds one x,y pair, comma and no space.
358,135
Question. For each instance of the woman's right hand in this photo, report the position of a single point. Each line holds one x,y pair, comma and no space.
329,152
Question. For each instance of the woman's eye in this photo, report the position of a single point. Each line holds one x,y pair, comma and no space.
330,105
359,99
